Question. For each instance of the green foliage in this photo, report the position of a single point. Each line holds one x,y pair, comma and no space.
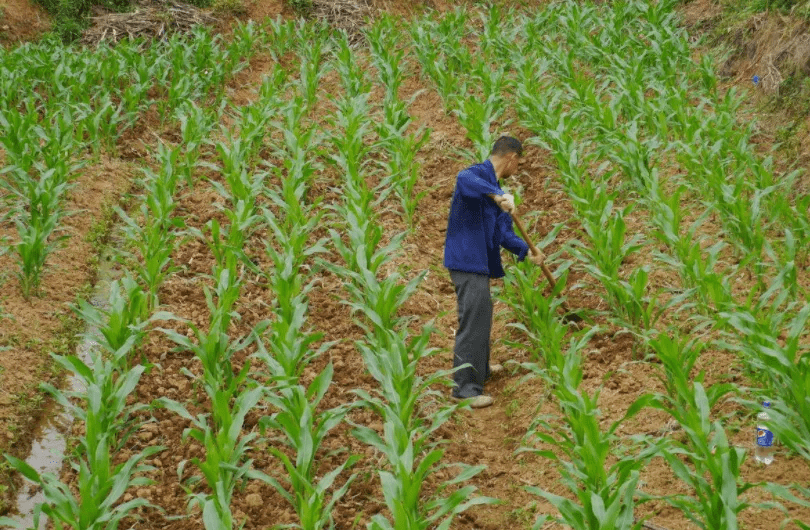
301,7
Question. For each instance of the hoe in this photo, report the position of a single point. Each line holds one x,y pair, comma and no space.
570,317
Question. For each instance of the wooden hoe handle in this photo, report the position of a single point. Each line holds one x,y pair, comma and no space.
551,281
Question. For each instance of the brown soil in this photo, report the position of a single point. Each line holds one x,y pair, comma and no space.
490,436
33,328
22,21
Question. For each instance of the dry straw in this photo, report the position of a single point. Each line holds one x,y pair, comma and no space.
347,15
150,20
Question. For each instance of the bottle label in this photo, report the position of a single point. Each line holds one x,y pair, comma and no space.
764,437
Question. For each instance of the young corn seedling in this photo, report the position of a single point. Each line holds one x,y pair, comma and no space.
779,364
704,461
352,74
99,401
36,222
536,312
403,169
311,72
281,35
125,320
97,503
387,56
603,256
234,154
303,429
153,240
604,492
226,462
412,457
195,125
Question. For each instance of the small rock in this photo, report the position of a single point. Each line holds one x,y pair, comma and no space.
146,436
254,500
128,497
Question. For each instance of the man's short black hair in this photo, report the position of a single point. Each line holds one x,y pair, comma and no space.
505,145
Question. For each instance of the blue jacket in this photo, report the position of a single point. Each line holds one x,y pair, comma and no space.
477,228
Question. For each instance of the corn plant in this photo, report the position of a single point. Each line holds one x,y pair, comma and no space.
281,35
99,401
303,428
226,461
108,122
537,310
311,71
387,55
125,318
704,461
406,444
777,364
402,168
352,74
604,492
195,125
602,257
96,504
36,218
153,240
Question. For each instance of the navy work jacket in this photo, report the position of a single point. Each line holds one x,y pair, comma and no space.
477,228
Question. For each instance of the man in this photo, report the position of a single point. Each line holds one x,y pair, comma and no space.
478,226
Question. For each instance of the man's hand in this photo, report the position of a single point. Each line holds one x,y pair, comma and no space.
506,202
537,258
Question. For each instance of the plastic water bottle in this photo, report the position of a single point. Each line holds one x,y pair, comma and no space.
764,449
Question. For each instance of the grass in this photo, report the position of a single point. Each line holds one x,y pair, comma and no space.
302,7
229,7
99,231
524,516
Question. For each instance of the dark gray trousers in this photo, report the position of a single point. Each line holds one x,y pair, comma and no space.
472,336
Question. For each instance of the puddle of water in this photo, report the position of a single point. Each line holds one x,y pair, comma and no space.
48,450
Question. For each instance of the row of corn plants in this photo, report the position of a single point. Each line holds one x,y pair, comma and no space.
300,423
399,141
472,86
232,394
390,348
